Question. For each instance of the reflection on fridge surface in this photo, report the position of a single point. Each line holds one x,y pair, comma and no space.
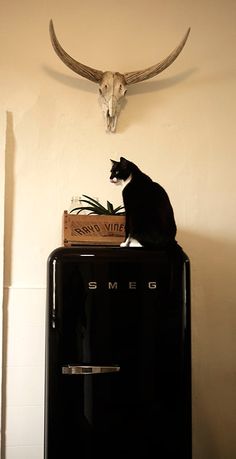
118,354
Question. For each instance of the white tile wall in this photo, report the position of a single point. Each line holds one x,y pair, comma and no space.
24,452
24,426
25,385
25,333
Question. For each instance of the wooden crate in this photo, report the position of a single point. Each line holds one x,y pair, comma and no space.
93,229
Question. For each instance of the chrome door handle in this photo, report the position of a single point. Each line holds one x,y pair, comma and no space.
88,370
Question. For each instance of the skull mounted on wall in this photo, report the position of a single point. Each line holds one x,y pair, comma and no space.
113,85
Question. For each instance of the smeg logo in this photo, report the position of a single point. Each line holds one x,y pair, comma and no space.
115,285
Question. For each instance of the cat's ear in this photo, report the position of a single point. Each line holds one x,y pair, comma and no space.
123,162
112,160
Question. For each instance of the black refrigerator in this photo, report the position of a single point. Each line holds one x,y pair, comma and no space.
118,354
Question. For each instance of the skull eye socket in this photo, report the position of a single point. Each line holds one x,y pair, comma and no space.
103,89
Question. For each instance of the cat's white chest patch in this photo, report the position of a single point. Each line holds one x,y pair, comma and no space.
125,182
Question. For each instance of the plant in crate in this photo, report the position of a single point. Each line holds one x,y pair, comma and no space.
94,207
100,226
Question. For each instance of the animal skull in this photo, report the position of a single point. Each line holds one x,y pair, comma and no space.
113,85
112,89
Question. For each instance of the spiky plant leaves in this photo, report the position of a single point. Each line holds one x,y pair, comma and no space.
95,208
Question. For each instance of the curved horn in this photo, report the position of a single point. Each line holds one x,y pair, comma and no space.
150,72
83,70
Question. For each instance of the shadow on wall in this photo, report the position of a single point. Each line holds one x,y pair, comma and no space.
9,205
213,314
9,195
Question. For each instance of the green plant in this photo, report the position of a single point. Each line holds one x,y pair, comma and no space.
95,208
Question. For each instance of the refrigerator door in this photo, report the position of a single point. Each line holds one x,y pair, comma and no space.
118,354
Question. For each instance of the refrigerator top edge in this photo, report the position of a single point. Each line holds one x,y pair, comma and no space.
139,253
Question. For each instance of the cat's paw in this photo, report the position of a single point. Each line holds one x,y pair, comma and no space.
134,243
130,242
125,243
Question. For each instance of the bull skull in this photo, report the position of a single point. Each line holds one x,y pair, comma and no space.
113,85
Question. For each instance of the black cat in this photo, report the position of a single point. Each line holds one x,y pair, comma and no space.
149,214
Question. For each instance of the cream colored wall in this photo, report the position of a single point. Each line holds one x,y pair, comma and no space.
178,127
